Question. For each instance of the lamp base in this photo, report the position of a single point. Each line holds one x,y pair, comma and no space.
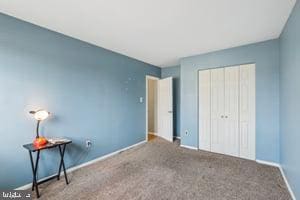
40,141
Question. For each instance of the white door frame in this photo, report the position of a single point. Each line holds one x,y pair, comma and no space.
148,77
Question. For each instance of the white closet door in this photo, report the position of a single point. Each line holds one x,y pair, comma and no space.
247,111
231,111
217,110
204,109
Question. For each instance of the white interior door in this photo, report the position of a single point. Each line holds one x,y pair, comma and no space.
247,111
217,110
231,111
165,109
204,109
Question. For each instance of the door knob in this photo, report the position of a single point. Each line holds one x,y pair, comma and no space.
222,116
226,116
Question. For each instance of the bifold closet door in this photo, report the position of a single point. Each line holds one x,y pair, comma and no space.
204,109
217,110
247,111
227,111
231,111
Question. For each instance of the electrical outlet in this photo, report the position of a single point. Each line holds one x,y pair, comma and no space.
88,144
186,132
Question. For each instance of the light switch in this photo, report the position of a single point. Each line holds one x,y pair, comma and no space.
141,100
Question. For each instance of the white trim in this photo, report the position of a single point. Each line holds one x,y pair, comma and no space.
146,100
27,186
282,173
189,147
287,183
268,163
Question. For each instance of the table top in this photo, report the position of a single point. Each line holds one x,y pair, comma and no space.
49,145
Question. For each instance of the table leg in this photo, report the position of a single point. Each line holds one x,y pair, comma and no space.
32,167
62,163
34,172
59,168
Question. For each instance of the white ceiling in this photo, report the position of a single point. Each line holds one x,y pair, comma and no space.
158,31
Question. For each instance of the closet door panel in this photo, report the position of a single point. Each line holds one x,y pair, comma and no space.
217,110
231,111
247,111
204,109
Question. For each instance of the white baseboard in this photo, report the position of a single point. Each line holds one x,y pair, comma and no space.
27,186
282,173
287,183
189,147
268,163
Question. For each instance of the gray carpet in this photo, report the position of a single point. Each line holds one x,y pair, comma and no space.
162,170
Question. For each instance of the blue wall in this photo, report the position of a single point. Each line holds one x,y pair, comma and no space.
93,94
175,73
290,100
266,57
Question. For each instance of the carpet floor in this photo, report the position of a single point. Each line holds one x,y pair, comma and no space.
162,170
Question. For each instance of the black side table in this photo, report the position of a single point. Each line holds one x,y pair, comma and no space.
31,149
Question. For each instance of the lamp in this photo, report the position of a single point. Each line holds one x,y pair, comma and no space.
39,115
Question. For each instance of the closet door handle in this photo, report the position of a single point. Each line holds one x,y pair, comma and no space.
222,116
226,116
